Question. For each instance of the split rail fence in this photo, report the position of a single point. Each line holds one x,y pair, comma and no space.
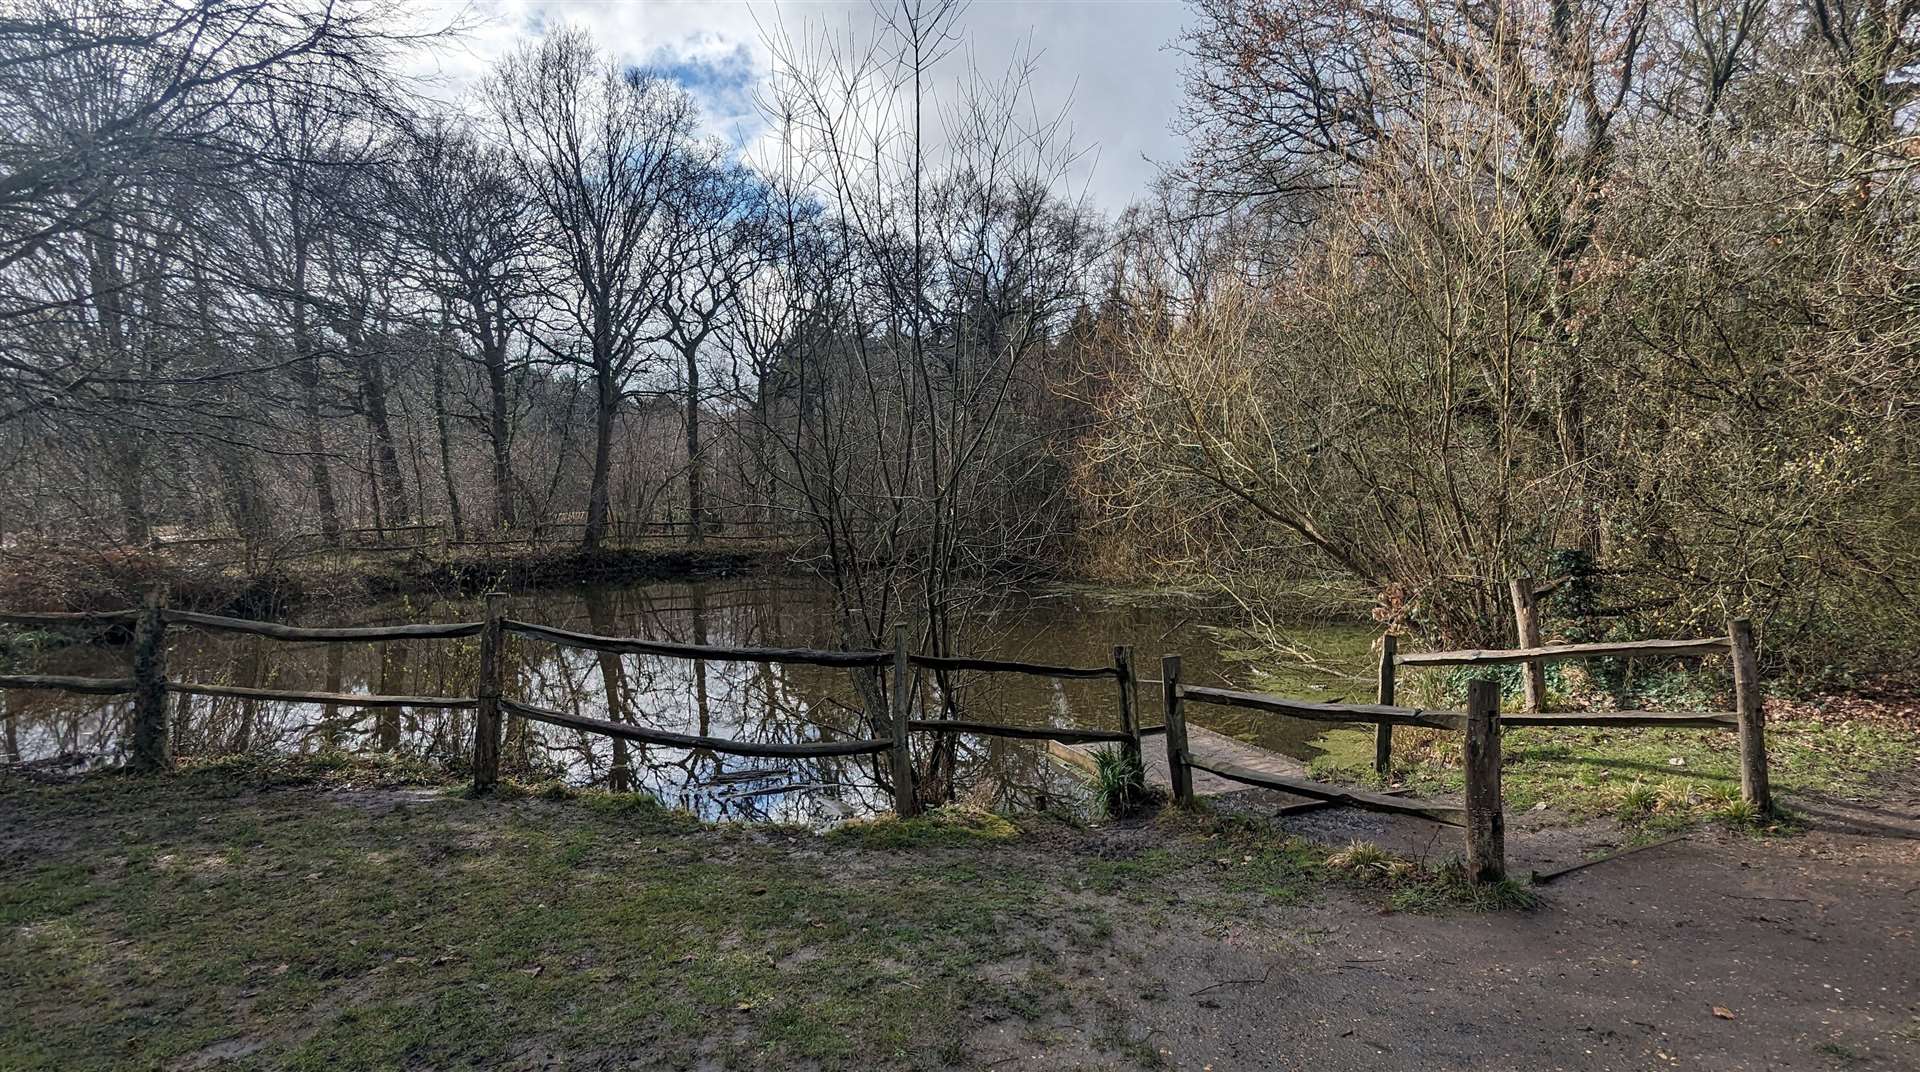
149,686
1480,815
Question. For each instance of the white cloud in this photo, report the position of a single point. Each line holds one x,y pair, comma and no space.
1106,61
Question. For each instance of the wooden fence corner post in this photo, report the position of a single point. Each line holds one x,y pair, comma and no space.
906,803
1177,769
1383,731
1749,703
486,720
1129,711
152,749
1526,624
1486,820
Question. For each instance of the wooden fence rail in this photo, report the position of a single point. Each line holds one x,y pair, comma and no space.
1748,718
1481,723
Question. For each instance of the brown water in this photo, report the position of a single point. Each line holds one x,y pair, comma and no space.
744,701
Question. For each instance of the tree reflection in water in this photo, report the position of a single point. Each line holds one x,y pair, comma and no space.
740,701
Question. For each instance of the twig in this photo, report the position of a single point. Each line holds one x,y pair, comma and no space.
1232,982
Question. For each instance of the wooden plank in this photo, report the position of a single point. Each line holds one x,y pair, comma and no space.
1334,794
1383,731
635,646
95,686
1028,733
1008,666
150,749
1326,712
1129,703
1714,720
1486,816
1557,652
906,799
486,721
684,740
337,699
1749,700
449,630
1172,695
1526,624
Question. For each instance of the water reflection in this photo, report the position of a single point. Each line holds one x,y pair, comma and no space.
740,701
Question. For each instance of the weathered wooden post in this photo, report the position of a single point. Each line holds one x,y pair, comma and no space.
1526,622
1177,769
152,749
1749,703
1486,820
906,803
486,719
1383,731
1129,711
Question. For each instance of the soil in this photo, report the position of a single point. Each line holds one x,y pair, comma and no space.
1721,951
1724,951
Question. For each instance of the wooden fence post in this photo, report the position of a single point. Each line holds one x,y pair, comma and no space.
1526,622
1749,702
906,803
1486,821
152,745
1177,768
1383,731
1129,698
486,720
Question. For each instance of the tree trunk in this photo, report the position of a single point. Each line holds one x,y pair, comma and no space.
696,507
446,447
498,430
605,409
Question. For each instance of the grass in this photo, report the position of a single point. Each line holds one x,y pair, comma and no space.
1654,781
329,912
1119,782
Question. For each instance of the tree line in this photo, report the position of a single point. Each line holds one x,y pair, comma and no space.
1619,293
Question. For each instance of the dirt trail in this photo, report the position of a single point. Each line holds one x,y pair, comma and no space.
1718,952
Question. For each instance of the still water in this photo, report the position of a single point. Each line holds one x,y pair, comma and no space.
743,701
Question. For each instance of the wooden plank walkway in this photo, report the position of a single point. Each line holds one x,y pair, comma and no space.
1206,745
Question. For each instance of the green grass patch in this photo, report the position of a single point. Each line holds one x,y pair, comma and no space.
1654,781
242,915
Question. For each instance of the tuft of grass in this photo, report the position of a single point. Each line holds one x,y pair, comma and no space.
1119,782
1447,888
1361,856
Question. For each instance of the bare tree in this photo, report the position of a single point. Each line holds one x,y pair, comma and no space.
598,148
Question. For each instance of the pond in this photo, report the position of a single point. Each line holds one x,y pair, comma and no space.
745,701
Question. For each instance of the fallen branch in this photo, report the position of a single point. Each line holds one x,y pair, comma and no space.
1541,878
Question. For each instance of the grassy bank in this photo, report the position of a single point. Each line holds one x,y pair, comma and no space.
294,914
1655,781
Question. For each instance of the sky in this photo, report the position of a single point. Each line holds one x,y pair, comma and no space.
1107,62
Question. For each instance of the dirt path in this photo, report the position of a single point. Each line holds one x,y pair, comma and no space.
369,927
1719,952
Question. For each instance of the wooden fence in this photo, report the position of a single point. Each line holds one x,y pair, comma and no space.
1481,723
149,686
1480,816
